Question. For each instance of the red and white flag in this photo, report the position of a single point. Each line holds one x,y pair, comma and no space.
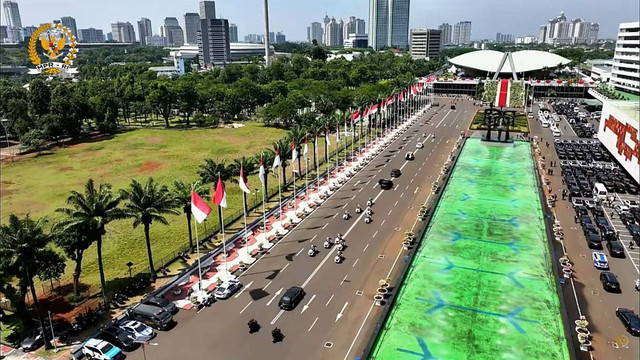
365,112
326,137
261,172
414,91
391,100
384,105
244,185
401,96
305,150
220,197
373,109
276,161
294,151
199,208
355,117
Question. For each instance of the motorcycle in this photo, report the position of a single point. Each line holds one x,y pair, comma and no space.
358,209
338,259
346,215
369,202
368,212
327,243
340,247
312,251
367,219
637,285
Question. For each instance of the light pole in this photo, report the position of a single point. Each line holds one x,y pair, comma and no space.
129,265
266,32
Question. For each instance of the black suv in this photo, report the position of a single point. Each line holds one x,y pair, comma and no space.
118,337
594,241
609,281
395,173
385,184
615,248
291,298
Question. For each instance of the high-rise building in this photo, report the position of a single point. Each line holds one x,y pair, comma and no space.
207,10
173,32
70,23
123,32
353,26
233,33
425,43
559,31
280,38
13,21
156,40
27,31
625,75
213,42
144,30
446,30
461,33
109,36
191,26
526,39
315,33
4,34
388,23
91,35
254,38
333,36
504,38
542,34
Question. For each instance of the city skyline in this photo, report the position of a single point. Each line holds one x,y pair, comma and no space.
513,20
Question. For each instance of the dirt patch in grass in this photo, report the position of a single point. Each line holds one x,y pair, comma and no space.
155,139
149,167
65,169
4,191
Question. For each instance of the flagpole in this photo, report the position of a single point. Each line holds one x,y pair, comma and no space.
264,199
244,214
315,150
293,171
198,255
280,198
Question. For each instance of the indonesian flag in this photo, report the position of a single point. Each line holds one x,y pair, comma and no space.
391,100
414,91
401,96
337,134
355,117
305,150
373,109
366,112
326,137
261,173
294,151
243,181
199,208
276,161
420,86
384,105
220,197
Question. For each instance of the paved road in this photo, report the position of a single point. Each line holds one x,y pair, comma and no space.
337,315
610,339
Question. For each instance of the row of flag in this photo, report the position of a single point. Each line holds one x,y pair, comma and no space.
384,104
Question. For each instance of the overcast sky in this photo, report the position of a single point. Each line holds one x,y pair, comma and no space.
518,17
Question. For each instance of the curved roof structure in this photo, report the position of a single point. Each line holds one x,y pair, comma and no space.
523,61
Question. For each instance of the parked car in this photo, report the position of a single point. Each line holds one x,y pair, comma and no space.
226,289
609,281
150,315
630,320
594,241
621,209
33,342
291,298
600,260
577,202
117,337
138,330
615,248
101,350
160,301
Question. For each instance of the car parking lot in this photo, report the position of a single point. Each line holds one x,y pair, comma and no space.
576,117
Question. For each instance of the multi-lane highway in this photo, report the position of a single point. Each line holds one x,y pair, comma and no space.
336,317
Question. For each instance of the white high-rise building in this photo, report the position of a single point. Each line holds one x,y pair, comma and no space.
191,26
123,32
13,21
315,32
461,33
559,31
389,23
233,33
447,30
425,43
625,74
333,35
144,30
70,23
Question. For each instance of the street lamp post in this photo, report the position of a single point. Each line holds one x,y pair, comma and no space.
129,265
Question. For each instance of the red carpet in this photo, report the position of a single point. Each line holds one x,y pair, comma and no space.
504,88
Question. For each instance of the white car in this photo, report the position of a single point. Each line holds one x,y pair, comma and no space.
419,145
138,330
631,203
226,289
101,350
556,133
621,209
600,260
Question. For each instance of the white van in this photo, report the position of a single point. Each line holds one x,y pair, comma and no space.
599,191
545,123
556,132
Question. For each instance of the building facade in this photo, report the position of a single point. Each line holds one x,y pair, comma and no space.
233,33
156,40
315,32
254,38
504,38
281,38
625,74
356,41
70,23
333,35
461,33
559,31
173,32
144,30
446,33
378,23
91,35
123,32
213,42
191,26
13,21
425,43
27,31
389,23
207,10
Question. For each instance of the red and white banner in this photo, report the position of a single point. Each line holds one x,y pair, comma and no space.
276,161
261,173
199,208
373,109
355,117
294,151
220,197
242,181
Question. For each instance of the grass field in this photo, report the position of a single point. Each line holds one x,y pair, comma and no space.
521,122
39,185
480,286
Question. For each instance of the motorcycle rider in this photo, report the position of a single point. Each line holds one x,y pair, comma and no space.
358,209
369,202
346,214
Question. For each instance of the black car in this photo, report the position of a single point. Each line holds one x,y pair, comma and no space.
589,229
594,241
598,211
385,184
609,281
161,302
453,107
582,210
33,342
118,337
615,248
634,229
601,222
395,173
630,320
291,298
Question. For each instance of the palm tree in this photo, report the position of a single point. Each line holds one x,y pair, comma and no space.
23,244
297,134
267,160
92,211
74,241
182,197
148,203
315,129
248,166
210,170
284,148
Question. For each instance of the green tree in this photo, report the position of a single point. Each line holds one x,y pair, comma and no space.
93,210
187,99
162,98
52,267
74,240
145,204
182,197
39,98
210,170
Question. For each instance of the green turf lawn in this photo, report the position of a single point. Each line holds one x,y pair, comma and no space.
39,185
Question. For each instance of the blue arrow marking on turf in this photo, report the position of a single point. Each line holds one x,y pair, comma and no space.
512,221
511,275
425,354
513,245
511,316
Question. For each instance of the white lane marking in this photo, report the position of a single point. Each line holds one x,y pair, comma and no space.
343,279
245,308
355,262
304,308
396,187
402,194
311,327
345,205
356,184
269,283
447,141
389,212
341,312
285,267
383,222
412,180
243,289
298,253
275,296
353,197
325,225
331,298
314,237
376,233
334,216
396,204
277,317
416,190
365,248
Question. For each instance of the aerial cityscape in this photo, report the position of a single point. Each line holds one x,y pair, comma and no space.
366,180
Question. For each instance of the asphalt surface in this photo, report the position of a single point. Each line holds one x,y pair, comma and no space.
609,338
337,316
